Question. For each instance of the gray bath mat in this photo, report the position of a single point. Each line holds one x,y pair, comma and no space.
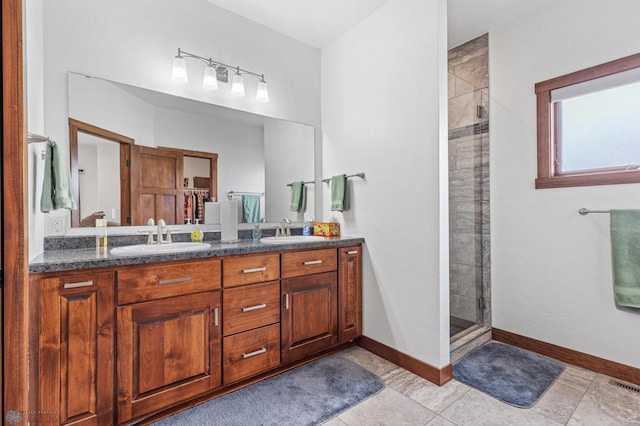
307,395
513,375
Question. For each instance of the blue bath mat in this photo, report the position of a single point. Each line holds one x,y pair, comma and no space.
513,375
307,395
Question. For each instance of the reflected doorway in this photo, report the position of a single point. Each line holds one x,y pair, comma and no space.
99,156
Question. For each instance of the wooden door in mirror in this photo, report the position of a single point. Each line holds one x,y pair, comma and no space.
156,185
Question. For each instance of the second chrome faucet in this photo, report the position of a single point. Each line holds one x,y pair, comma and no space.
159,230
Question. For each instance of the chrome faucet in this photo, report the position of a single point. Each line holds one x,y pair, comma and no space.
283,229
161,225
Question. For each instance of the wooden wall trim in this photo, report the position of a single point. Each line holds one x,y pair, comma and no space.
422,369
14,214
580,359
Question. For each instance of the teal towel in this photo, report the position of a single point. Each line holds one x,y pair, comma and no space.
298,197
339,193
56,189
625,257
251,208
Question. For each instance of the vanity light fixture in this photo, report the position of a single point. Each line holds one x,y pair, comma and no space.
218,71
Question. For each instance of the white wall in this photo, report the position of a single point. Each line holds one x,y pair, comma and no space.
97,159
288,154
239,146
34,68
135,42
381,115
551,268
101,103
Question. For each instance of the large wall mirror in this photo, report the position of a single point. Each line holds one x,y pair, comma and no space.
137,153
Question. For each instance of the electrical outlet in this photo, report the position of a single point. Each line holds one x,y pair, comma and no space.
56,225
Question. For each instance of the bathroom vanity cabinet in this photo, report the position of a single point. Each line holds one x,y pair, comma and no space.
350,293
251,299
120,343
168,335
75,359
310,302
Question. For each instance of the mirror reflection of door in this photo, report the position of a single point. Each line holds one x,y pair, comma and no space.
200,182
99,155
156,182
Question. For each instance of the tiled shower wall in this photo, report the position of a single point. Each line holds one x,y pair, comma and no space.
469,236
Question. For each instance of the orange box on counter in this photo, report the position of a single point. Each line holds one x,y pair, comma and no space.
326,229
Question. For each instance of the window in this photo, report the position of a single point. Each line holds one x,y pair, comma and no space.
589,126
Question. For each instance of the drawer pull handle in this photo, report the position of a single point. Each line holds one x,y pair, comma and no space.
81,284
215,317
312,262
249,271
286,301
253,308
174,280
254,353
352,252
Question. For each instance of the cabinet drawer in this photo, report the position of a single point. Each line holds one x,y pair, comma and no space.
251,352
250,307
241,270
160,281
309,262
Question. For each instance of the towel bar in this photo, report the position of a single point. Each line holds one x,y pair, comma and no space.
585,212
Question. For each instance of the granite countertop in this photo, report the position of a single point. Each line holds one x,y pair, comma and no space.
77,259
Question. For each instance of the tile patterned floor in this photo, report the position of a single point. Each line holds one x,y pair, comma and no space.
578,398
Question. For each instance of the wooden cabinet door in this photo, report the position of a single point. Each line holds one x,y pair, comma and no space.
76,350
157,187
349,293
309,315
168,352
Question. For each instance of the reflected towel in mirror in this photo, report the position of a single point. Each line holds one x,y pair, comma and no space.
251,208
298,197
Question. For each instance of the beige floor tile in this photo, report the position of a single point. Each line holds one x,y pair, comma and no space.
377,365
389,407
559,402
475,408
605,404
435,398
576,377
440,421
335,422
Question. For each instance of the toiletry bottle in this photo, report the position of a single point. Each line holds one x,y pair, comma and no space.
197,235
306,229
257,233
101,235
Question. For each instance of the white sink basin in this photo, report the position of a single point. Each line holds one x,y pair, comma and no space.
291,239
139,249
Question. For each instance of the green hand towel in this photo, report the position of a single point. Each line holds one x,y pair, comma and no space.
625,257
298,197
251,208
339,193
56,189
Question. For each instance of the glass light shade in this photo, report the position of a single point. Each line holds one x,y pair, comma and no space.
237,86
262,95
209,81
179,70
